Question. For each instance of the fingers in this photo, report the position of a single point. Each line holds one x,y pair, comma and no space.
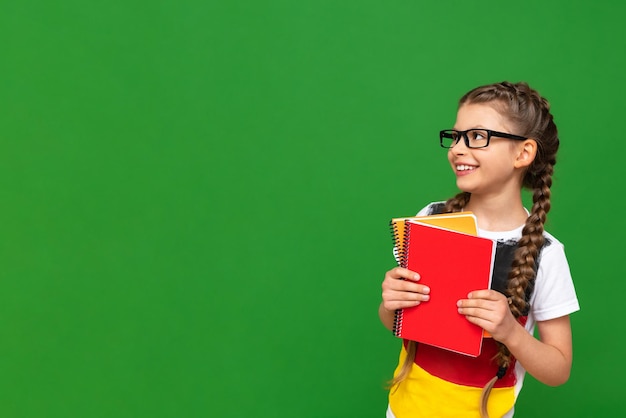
403,280
482,300
393,300
486,294
402,290
489,310
402,273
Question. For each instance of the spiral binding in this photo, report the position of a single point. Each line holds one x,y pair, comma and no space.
397,323
405,247
400,240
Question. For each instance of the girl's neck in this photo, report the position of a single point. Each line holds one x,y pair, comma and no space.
498,213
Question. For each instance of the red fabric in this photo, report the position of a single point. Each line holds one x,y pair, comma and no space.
465,370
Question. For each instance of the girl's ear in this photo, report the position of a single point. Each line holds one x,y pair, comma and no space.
527,153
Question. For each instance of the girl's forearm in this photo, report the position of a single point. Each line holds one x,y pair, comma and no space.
548,360
386,317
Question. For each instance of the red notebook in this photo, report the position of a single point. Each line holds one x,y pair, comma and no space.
452,264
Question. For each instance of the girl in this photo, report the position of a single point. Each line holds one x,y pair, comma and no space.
504,139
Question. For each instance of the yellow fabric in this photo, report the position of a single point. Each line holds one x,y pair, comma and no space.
424,395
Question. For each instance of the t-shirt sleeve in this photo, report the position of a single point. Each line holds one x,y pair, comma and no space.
429,209
554,295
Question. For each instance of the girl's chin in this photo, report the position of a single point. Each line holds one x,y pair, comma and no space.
465,186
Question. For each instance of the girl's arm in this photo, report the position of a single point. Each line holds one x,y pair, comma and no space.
386,317
548,359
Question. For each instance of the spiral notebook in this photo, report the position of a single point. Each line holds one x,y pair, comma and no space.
452,264
457,221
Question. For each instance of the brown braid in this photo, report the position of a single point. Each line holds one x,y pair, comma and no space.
411,350
457,203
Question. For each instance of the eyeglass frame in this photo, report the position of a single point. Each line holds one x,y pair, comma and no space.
490,133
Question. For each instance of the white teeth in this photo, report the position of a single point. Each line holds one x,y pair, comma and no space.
464,167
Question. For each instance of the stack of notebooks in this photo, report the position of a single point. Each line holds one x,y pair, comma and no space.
452,261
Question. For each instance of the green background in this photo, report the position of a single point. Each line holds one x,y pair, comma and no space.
196,195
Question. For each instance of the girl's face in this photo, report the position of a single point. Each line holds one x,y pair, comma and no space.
491,170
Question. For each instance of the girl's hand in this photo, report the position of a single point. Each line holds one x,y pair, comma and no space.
402,290
489,310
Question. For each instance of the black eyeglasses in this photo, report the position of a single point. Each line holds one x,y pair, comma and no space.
474,138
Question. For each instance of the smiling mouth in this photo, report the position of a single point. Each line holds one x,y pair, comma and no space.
463,167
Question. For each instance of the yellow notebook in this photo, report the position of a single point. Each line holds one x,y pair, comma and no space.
457,221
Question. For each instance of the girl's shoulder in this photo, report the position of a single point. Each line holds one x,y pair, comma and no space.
433,208
551,243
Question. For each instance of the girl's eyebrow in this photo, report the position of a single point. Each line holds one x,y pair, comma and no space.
476,127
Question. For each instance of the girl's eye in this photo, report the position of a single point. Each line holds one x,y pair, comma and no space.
477,135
